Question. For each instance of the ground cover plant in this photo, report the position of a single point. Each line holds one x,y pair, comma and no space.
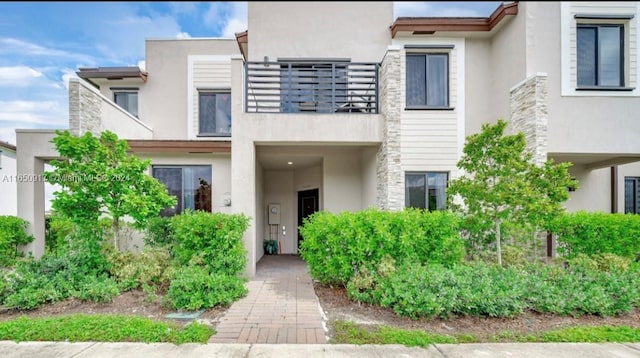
102,328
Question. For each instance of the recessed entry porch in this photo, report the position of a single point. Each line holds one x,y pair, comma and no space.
293,181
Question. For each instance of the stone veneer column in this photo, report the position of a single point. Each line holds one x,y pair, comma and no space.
85,109
529,114
390,190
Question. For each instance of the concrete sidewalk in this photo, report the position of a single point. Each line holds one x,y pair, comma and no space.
136,350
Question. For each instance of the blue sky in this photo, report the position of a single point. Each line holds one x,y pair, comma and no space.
42,44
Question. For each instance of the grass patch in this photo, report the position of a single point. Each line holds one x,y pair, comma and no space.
102,328
351,333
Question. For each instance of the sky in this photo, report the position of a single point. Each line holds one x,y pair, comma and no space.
42,44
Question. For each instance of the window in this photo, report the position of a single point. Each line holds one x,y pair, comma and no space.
600,55
426,190
428,80
320,87
631,195
191,185
128,100
214,113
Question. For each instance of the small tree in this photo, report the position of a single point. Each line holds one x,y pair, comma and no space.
502,185
98,177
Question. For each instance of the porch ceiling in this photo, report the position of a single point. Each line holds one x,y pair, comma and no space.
595,160
280,161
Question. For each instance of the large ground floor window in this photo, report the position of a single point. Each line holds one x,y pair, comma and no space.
191,185
426,190
631,195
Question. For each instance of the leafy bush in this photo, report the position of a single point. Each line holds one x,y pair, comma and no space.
488,290
13,233
145,269
217,237
193,287
98,289
596,233
159,232
335,246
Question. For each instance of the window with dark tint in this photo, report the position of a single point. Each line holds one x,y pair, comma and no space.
600,55
426,190
215,113
128,100
320,87
191,185
631,195
428,80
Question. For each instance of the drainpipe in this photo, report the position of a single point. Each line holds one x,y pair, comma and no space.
614,189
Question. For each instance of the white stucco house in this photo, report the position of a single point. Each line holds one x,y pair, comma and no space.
8,179
339,106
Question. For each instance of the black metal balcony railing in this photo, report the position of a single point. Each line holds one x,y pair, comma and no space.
325,87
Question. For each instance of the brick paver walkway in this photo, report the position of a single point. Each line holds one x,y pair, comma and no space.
281,307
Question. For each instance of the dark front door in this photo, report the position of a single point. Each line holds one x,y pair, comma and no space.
307,205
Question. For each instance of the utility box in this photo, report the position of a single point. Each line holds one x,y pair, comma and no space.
274,214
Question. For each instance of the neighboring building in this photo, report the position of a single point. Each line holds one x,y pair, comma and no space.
338,106
8,179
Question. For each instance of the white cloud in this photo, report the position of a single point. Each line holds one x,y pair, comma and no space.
8,134
142,65
49,113
10,45
18,75
226,17
233,26
183,35
67,74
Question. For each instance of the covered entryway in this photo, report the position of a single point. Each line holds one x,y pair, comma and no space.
294,181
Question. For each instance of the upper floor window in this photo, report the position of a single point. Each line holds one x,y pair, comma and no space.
600,50
191,185
313,87
426,190
127,99
427,80
631,195
214,110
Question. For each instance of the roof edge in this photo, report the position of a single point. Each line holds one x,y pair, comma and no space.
433,24
243,41
7,145
112,72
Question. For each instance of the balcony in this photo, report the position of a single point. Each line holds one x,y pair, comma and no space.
321,87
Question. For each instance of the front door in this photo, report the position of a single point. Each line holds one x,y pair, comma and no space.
307,205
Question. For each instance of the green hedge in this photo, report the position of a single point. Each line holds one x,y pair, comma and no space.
13,233
335,246
480,289
596,233
210,255
216,238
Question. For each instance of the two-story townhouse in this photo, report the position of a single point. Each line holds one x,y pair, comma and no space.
8,179
340,107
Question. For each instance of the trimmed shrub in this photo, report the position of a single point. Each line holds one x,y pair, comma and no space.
13,233
480,289
598,233
193,287
217,238
335,246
